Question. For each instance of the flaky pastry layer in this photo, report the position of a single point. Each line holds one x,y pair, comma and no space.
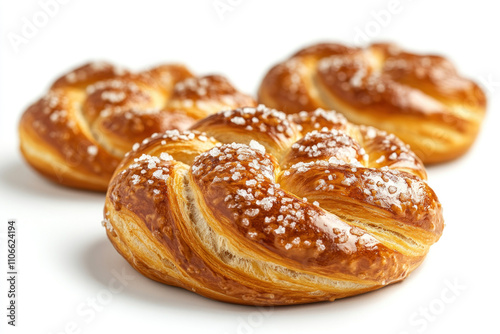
420,98
251,206
79,131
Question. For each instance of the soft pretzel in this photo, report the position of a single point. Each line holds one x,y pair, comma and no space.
420,98
252,207
79,131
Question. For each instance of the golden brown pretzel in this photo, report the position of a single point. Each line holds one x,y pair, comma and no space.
79,131
285,215
421,99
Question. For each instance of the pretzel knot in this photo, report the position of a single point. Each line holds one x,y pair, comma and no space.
420,98
253,207
79,131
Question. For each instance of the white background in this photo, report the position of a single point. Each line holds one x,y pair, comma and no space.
65,260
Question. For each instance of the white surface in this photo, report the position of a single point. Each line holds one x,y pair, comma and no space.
65,259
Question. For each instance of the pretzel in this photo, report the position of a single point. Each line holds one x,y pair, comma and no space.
420,98
253,207
79,131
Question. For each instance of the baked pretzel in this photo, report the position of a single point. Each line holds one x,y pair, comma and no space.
252,207
79,131
420,98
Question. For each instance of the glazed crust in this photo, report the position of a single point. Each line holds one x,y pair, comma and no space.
251,206
79,131
420,98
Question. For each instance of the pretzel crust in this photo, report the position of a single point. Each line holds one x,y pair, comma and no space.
420,98
220,209
79,131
